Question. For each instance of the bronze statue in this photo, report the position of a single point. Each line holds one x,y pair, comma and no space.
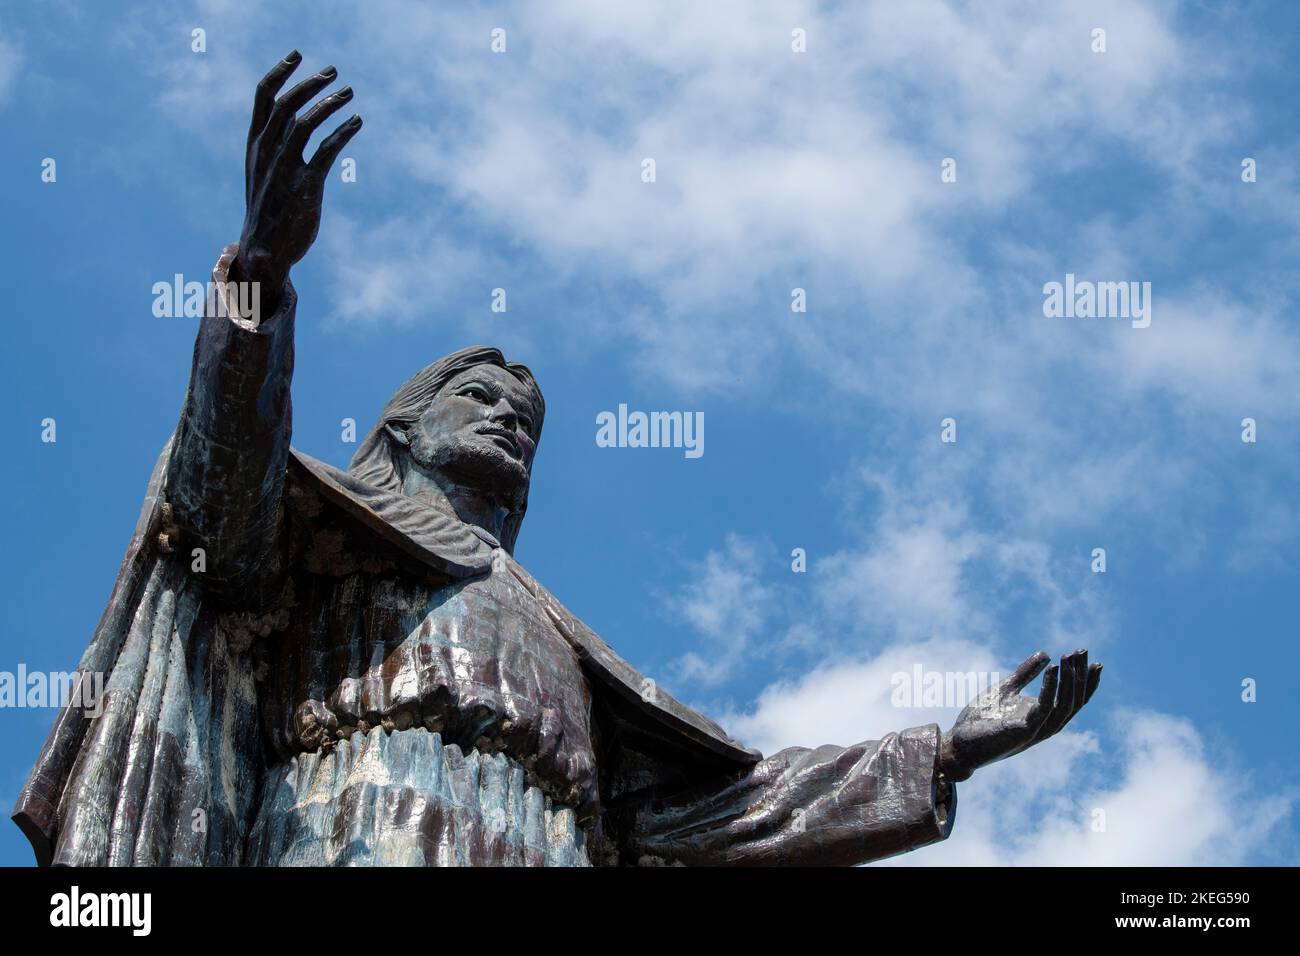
317,667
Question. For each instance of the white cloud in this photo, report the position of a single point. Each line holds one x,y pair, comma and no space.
847,701
909,582
397,270
1168,802
819,169
727,603
1163,798
929,579
936,565
1216,355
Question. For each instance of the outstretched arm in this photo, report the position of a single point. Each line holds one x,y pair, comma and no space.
832,806
848,805
227,465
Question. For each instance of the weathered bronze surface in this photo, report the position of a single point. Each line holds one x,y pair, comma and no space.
362,674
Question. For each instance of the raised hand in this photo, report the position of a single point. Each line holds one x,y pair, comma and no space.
1001,722
283,193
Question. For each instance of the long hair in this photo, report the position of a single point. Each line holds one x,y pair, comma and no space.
374,462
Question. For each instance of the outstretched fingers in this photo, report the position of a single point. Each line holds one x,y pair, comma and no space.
332,145
1047,694
307,123
264,98
1070,694
1094,679
287,106
1026,672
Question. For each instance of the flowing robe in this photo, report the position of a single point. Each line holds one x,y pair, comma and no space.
302,669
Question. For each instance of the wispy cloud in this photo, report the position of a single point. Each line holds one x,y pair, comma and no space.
728,603
1163,797
11,61
1146,789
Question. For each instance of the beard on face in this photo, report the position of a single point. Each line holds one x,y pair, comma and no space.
475,461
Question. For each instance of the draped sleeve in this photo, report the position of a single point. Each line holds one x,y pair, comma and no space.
228,460
813,807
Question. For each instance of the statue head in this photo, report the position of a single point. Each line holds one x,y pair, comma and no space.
471,420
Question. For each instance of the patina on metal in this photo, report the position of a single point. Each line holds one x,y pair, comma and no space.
316,667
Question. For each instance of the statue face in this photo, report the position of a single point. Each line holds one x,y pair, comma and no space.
479,430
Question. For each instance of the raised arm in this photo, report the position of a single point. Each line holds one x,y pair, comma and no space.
227,465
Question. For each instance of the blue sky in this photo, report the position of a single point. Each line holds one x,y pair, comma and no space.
775,170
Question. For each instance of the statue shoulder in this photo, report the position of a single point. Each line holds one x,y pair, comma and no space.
418,531
640,694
